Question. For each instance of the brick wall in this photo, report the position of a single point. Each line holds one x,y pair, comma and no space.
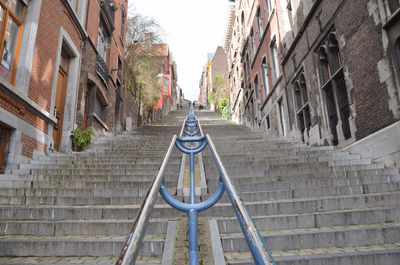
361,54
29,144
52,16
9,104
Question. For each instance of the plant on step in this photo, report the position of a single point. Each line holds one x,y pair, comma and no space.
82,138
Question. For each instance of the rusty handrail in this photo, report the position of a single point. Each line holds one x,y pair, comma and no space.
130,251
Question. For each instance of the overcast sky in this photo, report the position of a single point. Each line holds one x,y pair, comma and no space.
193,29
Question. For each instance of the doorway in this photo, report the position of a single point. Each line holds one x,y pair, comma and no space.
60,99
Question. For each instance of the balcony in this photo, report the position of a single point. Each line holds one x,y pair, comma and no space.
101,69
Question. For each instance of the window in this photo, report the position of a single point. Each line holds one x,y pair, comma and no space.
290,12
267,123
394,5
123,21
103,41
11,20
243,24
264,67
275,59
257,89
74,4
259,24
268,8
253,42
334,87
282,117
302,107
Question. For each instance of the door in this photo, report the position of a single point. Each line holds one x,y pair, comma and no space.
60,100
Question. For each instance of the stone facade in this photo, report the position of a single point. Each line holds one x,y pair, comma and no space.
339,71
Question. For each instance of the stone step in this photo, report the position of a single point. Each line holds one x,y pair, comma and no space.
290,206
73,201
91,227
363,255
345,217
78,192
322,237
64,246
99,177
257,160
103,166
69,184
278,175
110,260
251,195
307,183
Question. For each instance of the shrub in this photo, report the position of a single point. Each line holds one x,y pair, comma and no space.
82,138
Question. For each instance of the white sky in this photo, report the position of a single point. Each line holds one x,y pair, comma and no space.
193,29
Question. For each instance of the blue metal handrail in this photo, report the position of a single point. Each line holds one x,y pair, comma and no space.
192,144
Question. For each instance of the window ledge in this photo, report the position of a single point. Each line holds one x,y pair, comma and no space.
26,101
272,91
395,16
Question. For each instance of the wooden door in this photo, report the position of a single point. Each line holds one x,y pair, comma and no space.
60,99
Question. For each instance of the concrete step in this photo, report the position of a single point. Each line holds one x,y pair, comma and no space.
70,184
306,184
90,227
346,217
251,195
322,237
363,255
64,246
291,206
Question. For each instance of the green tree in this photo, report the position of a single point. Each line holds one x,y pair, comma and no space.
221,95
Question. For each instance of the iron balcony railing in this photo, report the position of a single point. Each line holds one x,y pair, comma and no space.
192,144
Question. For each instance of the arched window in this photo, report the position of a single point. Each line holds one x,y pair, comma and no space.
264,69
259,24
275,59
123,21
302,106
334,60
393,5
323,63
334,87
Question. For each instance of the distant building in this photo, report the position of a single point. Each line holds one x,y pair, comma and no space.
217,65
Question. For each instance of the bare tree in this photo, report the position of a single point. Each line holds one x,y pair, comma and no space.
141,65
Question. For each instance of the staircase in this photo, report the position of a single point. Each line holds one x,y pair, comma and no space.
312,205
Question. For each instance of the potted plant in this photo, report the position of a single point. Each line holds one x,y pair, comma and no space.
81,138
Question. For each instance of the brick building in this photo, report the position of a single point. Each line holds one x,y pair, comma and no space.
217,65
51,53
337,80
103,102
41,55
